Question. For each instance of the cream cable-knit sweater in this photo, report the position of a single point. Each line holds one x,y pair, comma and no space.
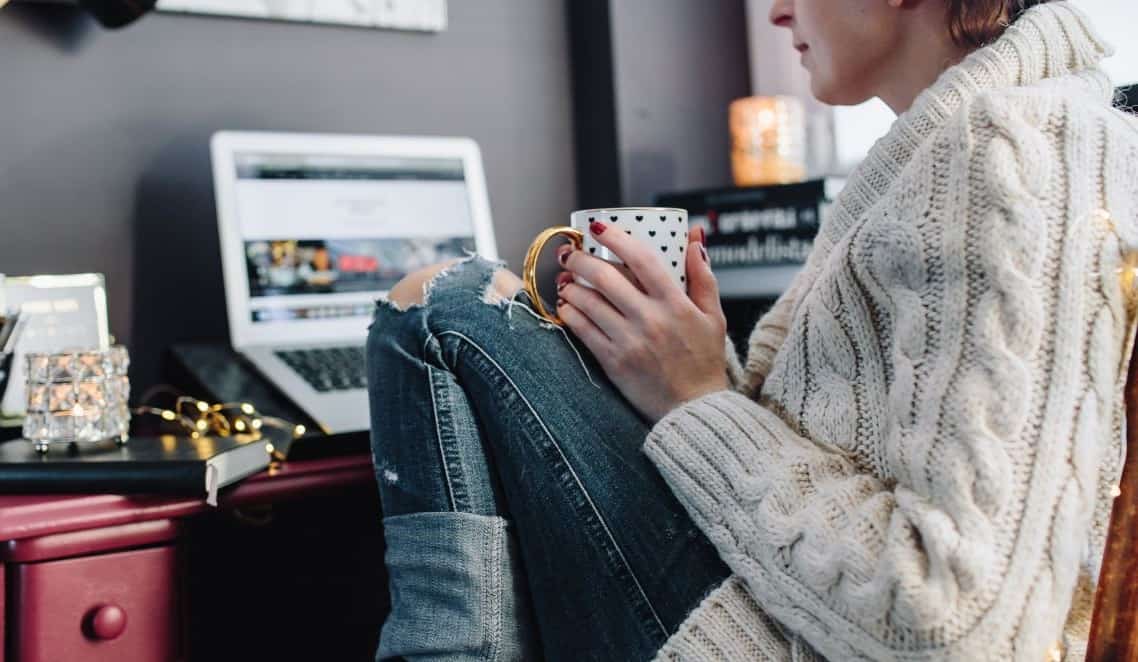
916,461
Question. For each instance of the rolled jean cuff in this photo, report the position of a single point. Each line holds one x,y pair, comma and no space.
457,592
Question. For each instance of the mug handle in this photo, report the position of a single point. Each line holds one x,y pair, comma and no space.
529,267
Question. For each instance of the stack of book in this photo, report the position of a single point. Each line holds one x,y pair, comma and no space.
757,237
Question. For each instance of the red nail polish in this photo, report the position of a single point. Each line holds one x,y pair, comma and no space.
703,237
596,228
562,257
703,253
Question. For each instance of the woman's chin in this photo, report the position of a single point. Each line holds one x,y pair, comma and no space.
836,95
823,92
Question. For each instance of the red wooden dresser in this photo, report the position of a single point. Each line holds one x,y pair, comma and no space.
109,577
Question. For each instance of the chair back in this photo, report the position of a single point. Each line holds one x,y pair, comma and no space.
1114,625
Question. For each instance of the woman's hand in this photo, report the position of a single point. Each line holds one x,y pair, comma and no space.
659,346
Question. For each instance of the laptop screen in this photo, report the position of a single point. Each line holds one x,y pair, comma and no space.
324,235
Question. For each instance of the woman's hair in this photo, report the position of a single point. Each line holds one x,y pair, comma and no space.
978,22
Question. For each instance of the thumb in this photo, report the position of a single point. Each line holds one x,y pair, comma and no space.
703,289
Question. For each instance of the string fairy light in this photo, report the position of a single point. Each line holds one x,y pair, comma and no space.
223,419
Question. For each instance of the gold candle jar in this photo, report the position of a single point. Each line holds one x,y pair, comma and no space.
768,140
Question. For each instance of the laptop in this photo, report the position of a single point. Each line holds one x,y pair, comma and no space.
315,228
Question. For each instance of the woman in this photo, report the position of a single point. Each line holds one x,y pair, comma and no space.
915,461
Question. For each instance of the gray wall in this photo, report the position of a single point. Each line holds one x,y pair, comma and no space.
103,135
677,64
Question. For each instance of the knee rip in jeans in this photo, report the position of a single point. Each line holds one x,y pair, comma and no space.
428,286
501,291
497,289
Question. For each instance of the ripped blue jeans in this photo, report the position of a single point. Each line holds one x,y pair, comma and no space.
521,518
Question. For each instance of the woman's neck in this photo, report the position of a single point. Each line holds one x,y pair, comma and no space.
918,61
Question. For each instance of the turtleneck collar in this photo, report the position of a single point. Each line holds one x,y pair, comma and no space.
1050,40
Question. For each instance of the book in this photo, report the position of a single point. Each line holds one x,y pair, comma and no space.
755,225
144,465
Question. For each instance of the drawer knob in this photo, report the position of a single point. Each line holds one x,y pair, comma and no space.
106,622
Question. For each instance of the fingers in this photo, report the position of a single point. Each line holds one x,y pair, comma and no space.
647,267
606,278
622,268
703,288
598,309
582,327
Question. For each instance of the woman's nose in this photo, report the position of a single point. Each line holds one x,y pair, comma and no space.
781,13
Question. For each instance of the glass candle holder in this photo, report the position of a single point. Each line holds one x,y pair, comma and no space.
77,396
768,140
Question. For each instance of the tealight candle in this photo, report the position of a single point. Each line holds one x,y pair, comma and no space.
77,396
768,140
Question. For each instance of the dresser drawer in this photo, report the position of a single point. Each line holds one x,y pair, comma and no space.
120,606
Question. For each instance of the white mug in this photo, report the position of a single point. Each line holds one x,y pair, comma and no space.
663,229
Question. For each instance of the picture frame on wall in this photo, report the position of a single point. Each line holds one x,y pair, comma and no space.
412,15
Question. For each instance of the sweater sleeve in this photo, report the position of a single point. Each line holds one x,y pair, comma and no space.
964,541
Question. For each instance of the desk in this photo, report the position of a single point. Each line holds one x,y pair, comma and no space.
289,566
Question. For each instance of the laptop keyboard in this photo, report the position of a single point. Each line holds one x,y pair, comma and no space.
328,368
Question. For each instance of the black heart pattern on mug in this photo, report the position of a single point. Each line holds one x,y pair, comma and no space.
670,238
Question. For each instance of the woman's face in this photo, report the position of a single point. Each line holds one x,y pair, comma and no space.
845,44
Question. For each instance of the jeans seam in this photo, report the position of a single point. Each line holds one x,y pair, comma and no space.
494,608
592,506
439,438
